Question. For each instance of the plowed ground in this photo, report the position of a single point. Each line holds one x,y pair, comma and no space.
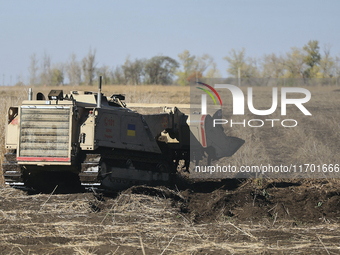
229,217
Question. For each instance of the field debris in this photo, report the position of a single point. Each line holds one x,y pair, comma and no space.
159,220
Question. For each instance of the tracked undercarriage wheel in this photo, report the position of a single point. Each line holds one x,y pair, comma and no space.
103,173
163,168
108,182
11,170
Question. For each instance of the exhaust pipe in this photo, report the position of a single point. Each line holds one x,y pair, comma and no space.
30,94
99,96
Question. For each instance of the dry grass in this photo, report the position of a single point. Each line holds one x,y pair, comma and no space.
70,227
315,140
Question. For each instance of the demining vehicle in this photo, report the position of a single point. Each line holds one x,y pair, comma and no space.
102,142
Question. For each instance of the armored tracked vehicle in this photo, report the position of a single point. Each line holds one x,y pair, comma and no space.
100,141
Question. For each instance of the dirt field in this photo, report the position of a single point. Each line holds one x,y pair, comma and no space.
235,217
298,215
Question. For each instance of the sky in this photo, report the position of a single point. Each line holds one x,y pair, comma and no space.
143,29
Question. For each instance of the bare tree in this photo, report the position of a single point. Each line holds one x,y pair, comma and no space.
46,74
272,66
89,66
213,72
188,64
73,70
134,71
118,76
106,73
58,75
201,63
33,69
337,66
238,61
327,65
294,63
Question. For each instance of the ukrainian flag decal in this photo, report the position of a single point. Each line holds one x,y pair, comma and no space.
131,130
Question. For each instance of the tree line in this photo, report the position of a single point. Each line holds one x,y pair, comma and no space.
305,62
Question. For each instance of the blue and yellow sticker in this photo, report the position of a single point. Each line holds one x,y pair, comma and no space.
131,130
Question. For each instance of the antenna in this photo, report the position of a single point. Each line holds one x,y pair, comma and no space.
99,96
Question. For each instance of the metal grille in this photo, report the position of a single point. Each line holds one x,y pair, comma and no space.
44,132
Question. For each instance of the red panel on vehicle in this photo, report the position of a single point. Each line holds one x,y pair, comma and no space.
44,159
